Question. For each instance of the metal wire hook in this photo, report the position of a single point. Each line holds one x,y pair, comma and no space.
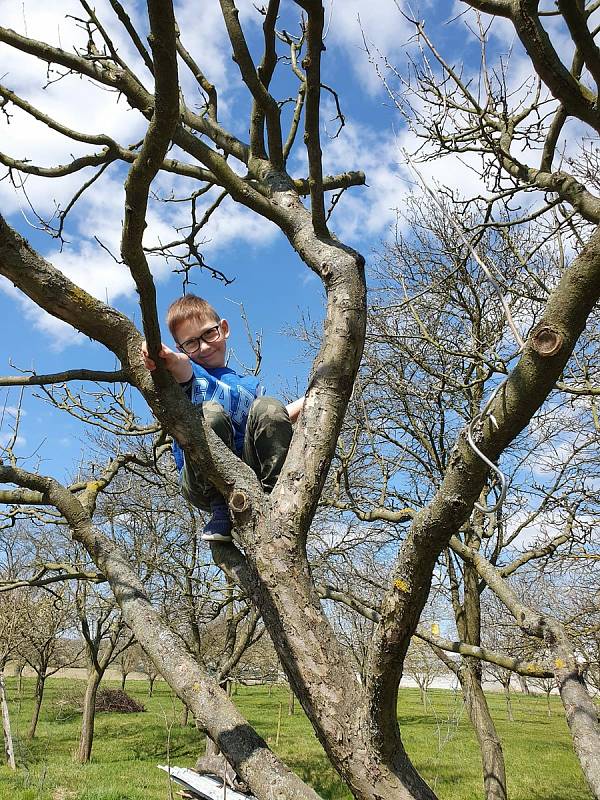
471,440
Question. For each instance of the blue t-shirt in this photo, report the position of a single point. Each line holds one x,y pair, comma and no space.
234,392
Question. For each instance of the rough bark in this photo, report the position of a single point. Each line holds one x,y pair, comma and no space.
88,717
37,704
492,757
582,719
468,621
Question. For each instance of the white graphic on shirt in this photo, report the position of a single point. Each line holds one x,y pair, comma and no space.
225,397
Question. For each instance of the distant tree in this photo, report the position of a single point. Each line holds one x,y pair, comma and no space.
128,661
149,669
106,639
423,666
45,619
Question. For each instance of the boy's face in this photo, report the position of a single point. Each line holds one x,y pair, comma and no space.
188,335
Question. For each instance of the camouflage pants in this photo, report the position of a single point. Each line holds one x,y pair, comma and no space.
266,442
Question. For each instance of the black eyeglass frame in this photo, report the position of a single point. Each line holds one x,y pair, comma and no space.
187,348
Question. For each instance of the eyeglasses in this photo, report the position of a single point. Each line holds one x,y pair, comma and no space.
191,346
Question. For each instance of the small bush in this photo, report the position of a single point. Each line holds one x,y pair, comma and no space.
117,700
66,705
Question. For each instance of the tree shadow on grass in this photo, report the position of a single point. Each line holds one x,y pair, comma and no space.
323,779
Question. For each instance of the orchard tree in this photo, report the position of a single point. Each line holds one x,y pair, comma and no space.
426,376
46,620
356,722
106,639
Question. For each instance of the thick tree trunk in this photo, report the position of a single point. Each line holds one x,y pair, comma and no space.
8,742
37,704
86,738
492,757
469,626
123,679
291,703
523,684
582,719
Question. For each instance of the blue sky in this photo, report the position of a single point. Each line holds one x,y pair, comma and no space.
274,285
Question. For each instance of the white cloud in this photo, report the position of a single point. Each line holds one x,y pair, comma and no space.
543,527
59,334
7,438
72,101
13,411
367,212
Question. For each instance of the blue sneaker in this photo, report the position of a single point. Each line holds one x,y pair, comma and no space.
218,527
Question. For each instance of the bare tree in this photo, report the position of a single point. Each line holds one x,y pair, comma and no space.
355,722
46,618
128,661
149,669
105,640
546,686
423,666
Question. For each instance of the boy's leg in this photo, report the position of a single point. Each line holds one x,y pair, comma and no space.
267,439
200,492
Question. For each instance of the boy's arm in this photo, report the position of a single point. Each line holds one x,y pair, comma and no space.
178,364
295,408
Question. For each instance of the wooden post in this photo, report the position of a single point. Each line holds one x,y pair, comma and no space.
8,742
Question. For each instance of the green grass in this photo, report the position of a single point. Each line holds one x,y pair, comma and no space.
539,757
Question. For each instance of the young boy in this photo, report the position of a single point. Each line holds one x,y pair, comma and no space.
257,428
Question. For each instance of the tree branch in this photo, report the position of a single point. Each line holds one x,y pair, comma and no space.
525,390
576,20
312,66
247,752
516,665
148,163
118,376
133,34
572,93
332,182
42,579
262,99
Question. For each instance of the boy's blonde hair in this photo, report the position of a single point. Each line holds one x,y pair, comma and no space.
189,307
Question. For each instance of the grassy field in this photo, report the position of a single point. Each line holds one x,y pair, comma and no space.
540,761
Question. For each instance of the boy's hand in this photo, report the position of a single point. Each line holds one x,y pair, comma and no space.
178,364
